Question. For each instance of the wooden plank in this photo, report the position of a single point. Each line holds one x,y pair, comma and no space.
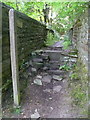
14,57
0,61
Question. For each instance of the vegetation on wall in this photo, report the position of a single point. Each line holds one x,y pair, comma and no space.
67,14
79,85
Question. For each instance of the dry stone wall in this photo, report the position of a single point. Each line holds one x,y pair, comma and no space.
80,37
31,35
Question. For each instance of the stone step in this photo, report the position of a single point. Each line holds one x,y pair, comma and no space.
52,51
38,65
54,55
37,60
54,48
45,57
56,72
54,62
54,65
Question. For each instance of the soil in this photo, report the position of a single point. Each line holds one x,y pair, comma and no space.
45,101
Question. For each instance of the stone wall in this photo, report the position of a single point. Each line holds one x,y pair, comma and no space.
89,62
80,37
31,35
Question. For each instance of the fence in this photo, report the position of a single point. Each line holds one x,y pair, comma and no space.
20,35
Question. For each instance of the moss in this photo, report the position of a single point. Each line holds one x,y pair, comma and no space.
79,86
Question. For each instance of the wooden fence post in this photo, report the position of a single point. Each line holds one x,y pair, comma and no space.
14,57
0,61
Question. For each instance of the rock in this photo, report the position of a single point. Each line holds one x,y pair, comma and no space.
56,77
50,98
66,60
25,75
39,76
46,64
38,81
44,74
74,60
38,65
39,51
53,54
57,88
45,68
51,108
66,57
30,62
47,79
37,60
56,72
33,69
47,90
45,57
54,67
35,115
30,74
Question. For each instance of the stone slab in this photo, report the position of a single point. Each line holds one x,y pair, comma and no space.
57,88
46,79
56,77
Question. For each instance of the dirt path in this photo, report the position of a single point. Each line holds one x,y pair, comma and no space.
49,104
47,94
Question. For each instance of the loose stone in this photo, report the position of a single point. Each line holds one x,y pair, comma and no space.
33,70
39,76
47,79
38,81
47,90
57,89
35,115
56,77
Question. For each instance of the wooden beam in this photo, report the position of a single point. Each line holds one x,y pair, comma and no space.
14,57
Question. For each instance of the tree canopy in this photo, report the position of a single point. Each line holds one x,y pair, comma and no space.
65,14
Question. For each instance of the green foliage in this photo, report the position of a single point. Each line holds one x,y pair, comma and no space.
51,39
5,86
74,76
79,87
32,9
65,67
78,95
16,110
66,42
66,13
